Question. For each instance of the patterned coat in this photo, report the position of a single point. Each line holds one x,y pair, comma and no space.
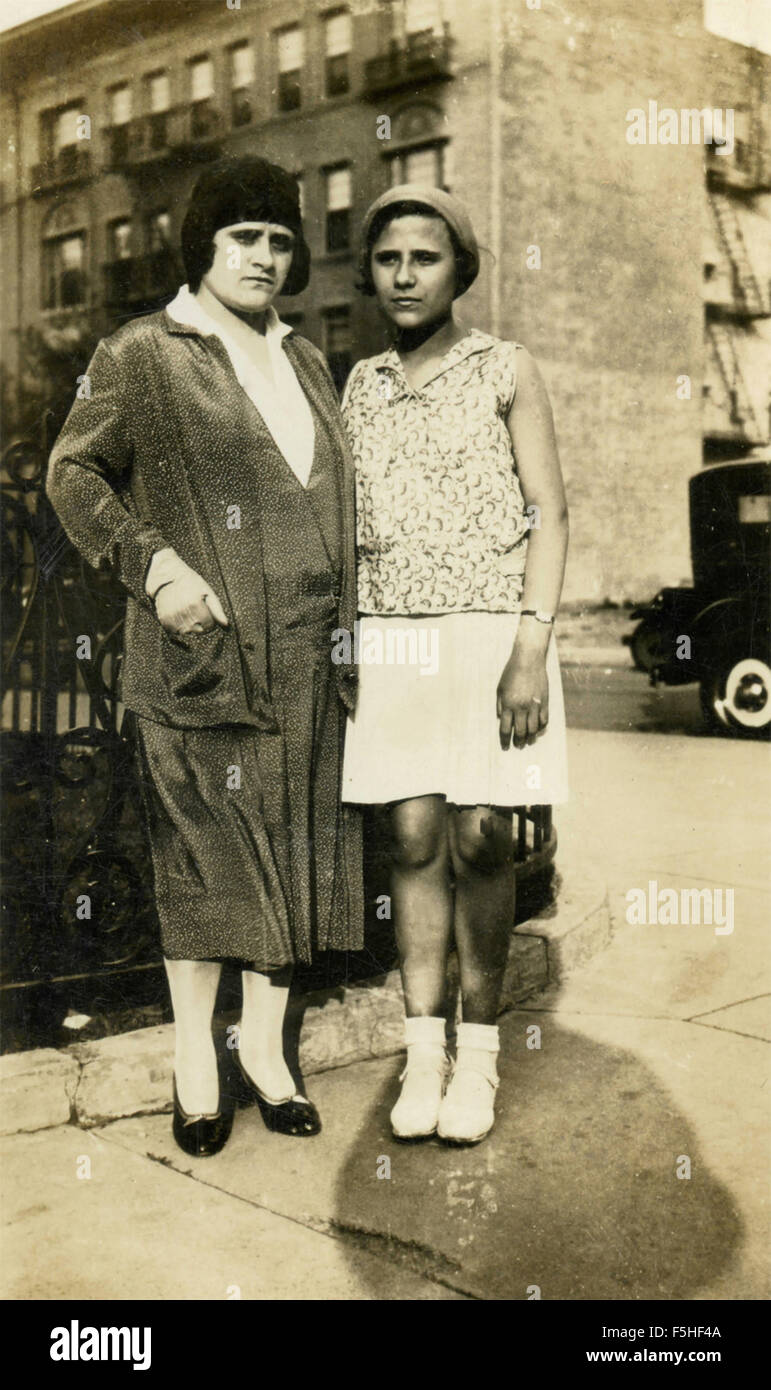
157,455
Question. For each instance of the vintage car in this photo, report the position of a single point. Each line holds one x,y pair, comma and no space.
717,632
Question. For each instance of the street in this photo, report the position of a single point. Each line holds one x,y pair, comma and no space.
630,1154
621,699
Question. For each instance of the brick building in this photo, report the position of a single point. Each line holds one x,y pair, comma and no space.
611,261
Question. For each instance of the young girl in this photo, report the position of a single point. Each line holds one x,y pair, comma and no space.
462,534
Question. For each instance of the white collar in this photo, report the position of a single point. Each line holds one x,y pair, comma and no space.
185,308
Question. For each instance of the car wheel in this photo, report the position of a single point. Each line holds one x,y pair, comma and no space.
645,645
737,698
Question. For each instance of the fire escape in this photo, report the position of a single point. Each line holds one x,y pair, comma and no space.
735,297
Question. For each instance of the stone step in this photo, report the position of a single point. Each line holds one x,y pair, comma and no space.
131,1074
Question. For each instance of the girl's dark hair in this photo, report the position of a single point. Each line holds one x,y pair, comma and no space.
465,265
242,189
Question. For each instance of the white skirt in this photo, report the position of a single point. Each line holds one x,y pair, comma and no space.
426,722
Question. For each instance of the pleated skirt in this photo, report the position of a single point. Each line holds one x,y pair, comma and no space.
426,722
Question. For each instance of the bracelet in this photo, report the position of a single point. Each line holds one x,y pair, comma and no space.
163,585
539,615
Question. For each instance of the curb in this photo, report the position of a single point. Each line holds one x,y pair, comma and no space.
94,1083
571,654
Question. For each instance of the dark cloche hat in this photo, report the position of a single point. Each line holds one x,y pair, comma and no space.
243,189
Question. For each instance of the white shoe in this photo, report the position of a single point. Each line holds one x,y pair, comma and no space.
467,1112
416,1111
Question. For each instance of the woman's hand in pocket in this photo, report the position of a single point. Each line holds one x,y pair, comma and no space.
186,604
522,699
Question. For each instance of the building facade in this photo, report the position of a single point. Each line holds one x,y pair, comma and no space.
594,247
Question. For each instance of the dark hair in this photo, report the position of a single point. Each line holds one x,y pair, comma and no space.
465,265
242,189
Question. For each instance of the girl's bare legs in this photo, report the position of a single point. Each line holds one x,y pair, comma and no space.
261,1044
193,986
482,853
422,901
482,857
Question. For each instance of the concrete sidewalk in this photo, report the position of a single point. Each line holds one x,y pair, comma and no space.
652,1063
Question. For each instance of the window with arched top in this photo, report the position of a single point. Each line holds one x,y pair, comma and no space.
65,217
417,121
418,151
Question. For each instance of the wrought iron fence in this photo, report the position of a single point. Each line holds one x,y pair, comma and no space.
76,898
79,925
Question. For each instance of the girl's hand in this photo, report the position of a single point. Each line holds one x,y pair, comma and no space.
522,699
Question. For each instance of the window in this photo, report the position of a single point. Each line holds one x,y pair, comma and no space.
120,105
290,61
160,270
159,102
422,18
201,79
338,208
64,278
425,165
337,38
119,268
742,146
202,114
158,231
120,239
120,117
65,129
338,342
61,145
241,79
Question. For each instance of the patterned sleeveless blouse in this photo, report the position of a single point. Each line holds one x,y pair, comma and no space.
441,521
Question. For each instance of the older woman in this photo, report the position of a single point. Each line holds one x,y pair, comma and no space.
207,462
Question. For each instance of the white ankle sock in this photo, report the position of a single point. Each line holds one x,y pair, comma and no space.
425,1031
423,1078
483,1037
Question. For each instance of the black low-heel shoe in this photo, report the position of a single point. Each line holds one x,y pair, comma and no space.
296,1115
201,1135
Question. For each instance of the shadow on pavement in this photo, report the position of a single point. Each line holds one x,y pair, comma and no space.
575,1191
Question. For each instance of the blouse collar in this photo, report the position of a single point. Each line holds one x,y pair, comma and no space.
473,342
185,309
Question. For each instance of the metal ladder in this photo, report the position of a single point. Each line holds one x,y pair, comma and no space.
743,412
746,285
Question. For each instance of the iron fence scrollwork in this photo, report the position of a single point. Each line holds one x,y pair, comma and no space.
77,903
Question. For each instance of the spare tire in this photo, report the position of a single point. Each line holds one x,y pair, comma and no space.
736,697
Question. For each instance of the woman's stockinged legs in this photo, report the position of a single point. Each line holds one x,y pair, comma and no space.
482,854
193,986
261,1042
422,901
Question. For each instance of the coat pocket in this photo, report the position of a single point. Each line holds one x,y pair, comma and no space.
198,663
